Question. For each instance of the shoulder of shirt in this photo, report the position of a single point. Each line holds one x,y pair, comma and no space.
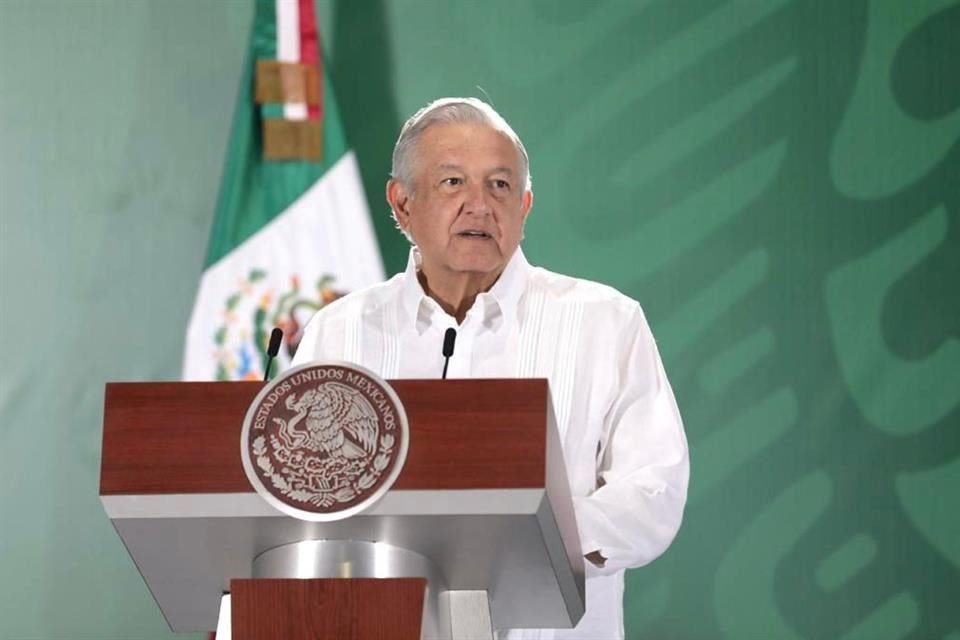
567,289
361,301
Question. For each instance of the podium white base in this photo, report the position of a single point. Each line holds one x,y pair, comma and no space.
469,615
223,619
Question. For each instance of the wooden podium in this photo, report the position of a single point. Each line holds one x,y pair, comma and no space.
482,507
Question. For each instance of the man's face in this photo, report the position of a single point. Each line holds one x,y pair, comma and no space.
468,206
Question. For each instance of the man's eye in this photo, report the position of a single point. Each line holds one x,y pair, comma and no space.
453,182
501,184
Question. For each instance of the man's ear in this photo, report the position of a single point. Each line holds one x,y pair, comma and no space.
526,204
398,199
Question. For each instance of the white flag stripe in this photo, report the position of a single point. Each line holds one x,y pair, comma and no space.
327,231
288,49
288,31
295,110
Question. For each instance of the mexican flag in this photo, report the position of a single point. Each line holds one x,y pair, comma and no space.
291,231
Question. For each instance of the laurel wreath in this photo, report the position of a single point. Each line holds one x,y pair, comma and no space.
324,495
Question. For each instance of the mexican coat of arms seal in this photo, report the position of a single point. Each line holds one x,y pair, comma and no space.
323,442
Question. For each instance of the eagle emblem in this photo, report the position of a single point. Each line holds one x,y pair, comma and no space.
322,442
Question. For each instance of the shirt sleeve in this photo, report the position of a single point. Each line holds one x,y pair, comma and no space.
643,465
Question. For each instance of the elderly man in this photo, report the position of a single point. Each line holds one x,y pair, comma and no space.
461,192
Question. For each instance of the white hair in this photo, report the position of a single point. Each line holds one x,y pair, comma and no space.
450,110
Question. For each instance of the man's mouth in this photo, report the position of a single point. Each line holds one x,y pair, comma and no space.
475,233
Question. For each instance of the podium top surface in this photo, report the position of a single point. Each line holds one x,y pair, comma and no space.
184,438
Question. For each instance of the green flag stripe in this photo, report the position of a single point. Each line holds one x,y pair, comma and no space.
263,39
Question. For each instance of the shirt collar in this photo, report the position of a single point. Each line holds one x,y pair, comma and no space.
501,302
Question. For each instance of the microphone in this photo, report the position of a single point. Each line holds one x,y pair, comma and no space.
449,338
276,336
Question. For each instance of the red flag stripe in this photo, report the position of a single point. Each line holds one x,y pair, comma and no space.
310,49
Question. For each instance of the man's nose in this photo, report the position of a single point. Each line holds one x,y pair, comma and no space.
476,199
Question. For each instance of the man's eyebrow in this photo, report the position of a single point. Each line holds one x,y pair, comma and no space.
457,167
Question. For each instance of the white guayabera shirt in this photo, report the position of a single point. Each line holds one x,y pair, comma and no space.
623,440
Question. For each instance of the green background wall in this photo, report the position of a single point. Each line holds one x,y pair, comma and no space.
777,181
